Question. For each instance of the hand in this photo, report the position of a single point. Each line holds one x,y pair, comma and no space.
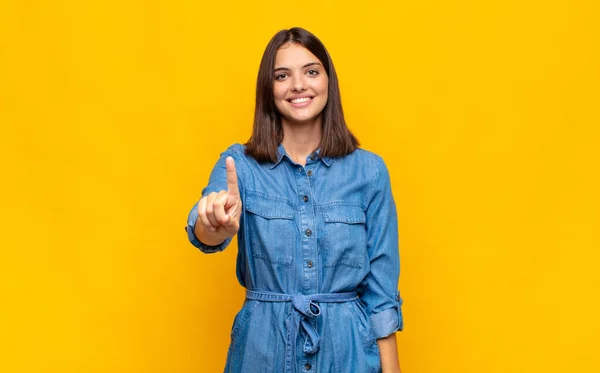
219,213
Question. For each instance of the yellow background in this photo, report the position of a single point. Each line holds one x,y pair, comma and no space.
112,114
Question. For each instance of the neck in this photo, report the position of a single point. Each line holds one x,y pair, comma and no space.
301,139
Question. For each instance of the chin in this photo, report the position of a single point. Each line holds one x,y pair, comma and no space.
302,120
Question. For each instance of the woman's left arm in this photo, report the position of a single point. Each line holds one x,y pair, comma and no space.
388,351
380,287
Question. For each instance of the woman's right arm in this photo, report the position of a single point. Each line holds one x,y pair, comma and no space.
219,213
214,220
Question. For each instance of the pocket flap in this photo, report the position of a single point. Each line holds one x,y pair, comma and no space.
268,208
350,214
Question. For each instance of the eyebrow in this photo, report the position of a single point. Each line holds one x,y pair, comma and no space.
307,65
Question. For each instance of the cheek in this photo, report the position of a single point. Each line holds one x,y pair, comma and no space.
278,95
324,87
325,91
280,90
279,106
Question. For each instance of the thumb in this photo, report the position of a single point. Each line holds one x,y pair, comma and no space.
232,181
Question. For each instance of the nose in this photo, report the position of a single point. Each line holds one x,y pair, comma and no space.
298,84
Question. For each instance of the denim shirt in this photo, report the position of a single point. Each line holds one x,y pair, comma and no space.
327,227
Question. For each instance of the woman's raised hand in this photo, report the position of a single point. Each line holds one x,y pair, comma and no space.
219,213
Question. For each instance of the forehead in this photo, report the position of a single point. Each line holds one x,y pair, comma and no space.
292,55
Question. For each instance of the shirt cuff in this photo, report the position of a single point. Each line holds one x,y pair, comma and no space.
389,321
192,218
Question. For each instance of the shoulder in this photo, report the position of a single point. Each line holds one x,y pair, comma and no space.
367,159
237,149
376,171
242,160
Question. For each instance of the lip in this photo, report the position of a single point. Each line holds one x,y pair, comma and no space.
300,104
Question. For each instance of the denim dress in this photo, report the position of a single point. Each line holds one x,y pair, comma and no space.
318,256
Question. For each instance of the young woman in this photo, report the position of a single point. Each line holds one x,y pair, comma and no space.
316,225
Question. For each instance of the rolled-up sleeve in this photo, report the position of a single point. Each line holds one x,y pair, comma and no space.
216,183
381,295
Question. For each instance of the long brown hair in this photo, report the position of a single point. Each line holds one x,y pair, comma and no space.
267,132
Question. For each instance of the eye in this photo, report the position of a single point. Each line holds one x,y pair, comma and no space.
280,76
312,72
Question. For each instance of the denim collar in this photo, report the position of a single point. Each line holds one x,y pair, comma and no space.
316,154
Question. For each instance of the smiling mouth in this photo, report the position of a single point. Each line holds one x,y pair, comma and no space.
300,100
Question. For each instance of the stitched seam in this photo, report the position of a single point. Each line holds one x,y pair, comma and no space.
243,319
344,264
266,259
287,216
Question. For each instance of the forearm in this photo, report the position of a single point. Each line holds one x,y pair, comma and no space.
388,351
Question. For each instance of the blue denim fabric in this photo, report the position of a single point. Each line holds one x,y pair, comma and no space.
306,234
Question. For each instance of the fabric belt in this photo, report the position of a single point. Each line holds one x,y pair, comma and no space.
304,308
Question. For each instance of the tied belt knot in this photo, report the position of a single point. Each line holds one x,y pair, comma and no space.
304,309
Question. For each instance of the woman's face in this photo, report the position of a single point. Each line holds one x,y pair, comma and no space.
300,84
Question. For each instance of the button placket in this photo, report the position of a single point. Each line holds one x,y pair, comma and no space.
307,223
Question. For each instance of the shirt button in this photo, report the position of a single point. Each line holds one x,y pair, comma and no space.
309,264
308,232
309,172
305,198
307,366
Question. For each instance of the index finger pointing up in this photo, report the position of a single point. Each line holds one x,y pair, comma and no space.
232,181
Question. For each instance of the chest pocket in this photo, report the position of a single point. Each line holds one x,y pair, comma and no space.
344,241
271,228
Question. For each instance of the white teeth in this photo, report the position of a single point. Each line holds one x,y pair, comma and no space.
299,100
